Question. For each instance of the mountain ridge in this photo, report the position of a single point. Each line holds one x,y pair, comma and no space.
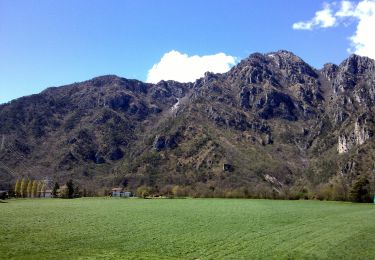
271,126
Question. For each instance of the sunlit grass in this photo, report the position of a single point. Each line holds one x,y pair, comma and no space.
185,229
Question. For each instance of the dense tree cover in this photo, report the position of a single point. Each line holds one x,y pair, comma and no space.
339,189
361,190
27,188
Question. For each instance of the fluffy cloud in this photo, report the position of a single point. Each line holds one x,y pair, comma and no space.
363,12
184,68
323,18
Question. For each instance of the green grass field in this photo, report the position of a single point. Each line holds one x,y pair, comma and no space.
104,228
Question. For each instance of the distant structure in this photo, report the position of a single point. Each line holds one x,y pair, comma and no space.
45,193
119,192
48,194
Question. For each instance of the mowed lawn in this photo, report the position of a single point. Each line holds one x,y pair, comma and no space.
104,228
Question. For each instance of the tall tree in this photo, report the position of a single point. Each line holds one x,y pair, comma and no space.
23,187
56,187
39,188
70,186
29,186
43,189
34,189
17,188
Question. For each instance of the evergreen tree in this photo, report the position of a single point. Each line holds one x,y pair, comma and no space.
34,189
70,186
56,187
17,188
77,191
29,186
23,188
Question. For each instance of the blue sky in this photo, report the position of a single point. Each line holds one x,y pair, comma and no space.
47,43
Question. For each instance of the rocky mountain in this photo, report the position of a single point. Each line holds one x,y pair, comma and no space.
273,126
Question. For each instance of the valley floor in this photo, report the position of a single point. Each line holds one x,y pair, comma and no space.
105,228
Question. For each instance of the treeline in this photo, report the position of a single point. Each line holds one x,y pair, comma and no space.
27,188
67,191
361,190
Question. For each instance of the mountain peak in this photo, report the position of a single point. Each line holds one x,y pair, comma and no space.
285,53
286,57
272,114
356,64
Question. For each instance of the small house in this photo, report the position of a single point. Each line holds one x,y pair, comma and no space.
45,194
48,194
119,192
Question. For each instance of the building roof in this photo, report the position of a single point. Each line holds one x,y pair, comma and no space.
117,189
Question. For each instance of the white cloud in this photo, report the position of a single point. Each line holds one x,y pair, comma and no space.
323,18
363,41
184,68
362,12
346,9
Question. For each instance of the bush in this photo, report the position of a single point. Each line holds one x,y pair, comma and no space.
167,191
3,195
179,191
143,191
360,191
324,192
339,190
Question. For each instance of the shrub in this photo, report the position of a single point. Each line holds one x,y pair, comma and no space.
167,191
143,191
360,191
339,190
324,192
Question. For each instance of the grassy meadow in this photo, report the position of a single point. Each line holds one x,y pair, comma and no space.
105,228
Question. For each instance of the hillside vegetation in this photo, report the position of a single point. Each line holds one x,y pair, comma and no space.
272,127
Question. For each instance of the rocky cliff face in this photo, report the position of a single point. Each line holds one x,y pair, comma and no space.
271,121
360,134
